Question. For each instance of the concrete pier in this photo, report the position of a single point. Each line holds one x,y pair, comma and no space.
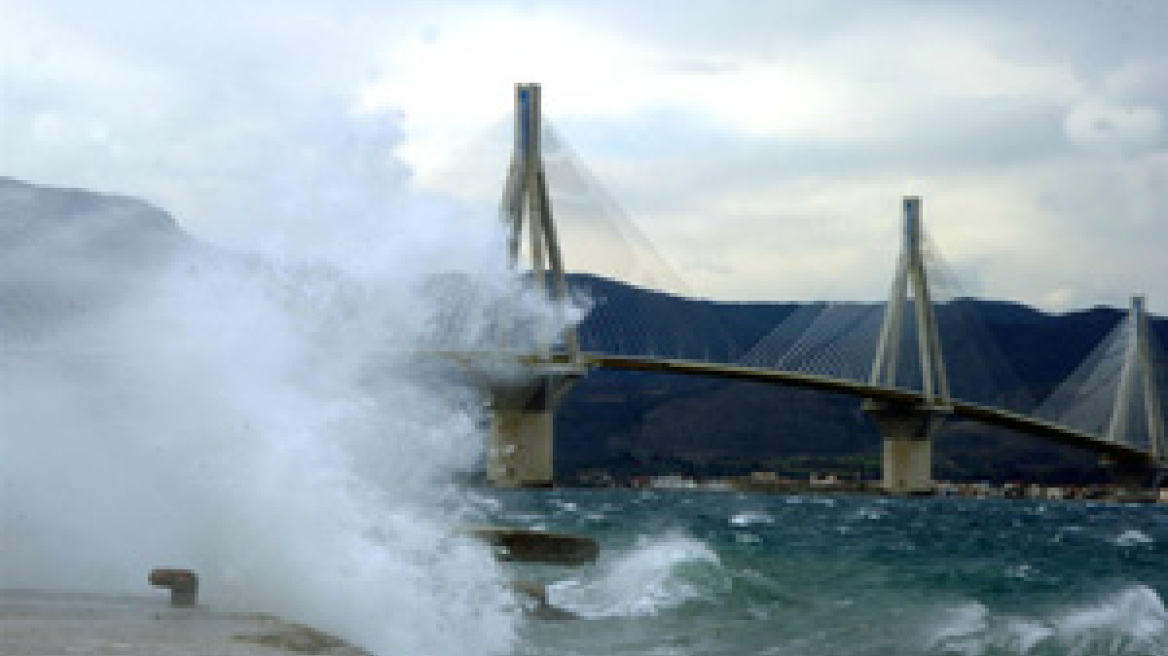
523,428
55,623
908,446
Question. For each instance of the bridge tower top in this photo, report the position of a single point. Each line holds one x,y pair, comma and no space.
526,203
1138,375
911,274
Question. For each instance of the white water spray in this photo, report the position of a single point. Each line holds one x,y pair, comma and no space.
266,421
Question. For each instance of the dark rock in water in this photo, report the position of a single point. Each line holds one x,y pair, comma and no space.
528,546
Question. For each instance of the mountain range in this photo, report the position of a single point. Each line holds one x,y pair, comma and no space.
64,252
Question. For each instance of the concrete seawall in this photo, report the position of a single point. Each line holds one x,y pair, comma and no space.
53,623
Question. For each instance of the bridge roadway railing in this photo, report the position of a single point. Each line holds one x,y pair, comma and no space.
960,409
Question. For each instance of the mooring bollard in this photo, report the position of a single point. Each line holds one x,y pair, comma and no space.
183,585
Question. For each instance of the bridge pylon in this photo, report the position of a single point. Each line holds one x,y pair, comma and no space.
522,407
1138,391
908,428
1137,383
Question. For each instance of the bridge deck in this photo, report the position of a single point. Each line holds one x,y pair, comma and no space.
960,409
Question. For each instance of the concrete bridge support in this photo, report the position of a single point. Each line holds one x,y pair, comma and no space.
908,429
523,401
907,462
523,430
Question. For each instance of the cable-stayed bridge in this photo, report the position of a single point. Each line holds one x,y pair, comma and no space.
895,356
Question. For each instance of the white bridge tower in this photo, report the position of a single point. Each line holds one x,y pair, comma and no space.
1137,385
908,428
523,406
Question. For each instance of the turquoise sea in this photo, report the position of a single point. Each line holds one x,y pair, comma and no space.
689,573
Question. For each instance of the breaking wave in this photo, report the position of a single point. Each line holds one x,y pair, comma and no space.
1131,622
655,575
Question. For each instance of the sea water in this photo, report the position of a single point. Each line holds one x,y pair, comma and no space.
726,573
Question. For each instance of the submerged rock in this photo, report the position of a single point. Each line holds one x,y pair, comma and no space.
529,546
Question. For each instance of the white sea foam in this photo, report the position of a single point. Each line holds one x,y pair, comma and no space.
565,506
750,517
971,630
1021,571
1131,621
871,513
959,624
1132,538
654,575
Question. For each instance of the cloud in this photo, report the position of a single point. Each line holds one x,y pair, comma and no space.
1099,124
1123,111
770,139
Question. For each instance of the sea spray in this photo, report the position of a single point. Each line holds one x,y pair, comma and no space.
278,422
656,574
1130,621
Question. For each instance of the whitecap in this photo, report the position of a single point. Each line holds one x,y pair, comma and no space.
960,625
654,575
1022,571
566,506
1021,636
483,502
871,513
1132,621
972,630
1132,537
749,517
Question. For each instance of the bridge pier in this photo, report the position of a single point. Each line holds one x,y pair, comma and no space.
907,432
522,410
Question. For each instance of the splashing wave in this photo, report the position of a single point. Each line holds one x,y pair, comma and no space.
653,576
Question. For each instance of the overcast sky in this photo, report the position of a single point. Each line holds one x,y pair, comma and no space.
762,147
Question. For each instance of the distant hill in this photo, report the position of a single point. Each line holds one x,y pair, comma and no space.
67,252
651,422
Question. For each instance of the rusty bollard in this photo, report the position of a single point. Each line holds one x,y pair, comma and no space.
183,585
